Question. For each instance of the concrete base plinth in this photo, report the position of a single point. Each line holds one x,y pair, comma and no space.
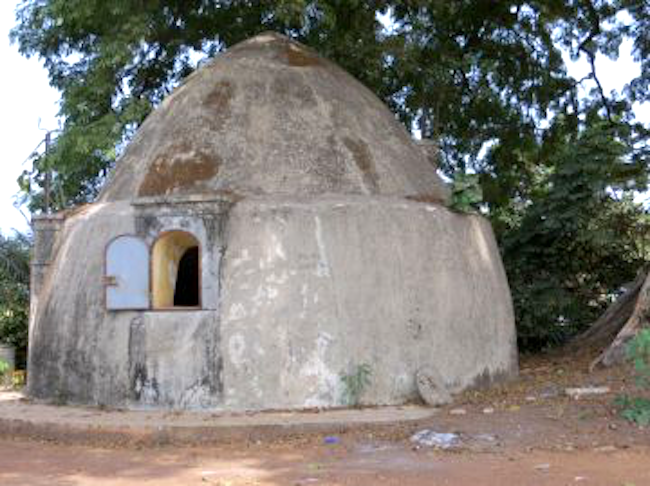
81,425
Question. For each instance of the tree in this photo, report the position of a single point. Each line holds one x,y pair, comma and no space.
114,61
14,292
579,237
468,73
558,158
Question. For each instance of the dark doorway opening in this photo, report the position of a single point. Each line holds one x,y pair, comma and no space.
186,292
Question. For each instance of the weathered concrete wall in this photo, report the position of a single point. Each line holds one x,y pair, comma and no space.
174,360
296,293
46,231
80,352
314,289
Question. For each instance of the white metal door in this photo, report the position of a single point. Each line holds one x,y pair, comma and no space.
127,274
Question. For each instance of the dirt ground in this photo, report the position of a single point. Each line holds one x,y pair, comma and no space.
524,433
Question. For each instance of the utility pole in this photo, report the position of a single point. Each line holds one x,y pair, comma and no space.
48,174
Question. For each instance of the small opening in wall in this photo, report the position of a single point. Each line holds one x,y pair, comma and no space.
176,274
186,292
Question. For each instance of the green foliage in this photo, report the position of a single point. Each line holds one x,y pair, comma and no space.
14,292
557,158
466,193
114,61
468,74
638,352
18,379
355,383
4,368
577,239
637,409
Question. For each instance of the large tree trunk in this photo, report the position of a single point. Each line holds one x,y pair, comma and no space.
620,323
604,330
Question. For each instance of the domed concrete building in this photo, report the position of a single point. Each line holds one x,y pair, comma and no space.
270,230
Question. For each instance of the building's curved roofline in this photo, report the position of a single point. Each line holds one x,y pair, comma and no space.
272,117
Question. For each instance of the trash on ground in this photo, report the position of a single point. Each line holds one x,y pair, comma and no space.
576,393
449,440
457,411
606,448
440,440
485,438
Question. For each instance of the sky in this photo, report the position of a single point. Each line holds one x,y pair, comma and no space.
26,97
28,101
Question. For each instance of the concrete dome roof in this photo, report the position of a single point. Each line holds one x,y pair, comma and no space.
271,117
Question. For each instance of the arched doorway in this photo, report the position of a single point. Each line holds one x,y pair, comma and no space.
176,271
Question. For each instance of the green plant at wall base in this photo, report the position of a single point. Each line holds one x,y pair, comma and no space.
466,193
637,409
18,379
355,383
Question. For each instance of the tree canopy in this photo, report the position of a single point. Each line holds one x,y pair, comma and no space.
558,159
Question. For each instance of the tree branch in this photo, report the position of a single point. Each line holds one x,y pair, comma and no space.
591,56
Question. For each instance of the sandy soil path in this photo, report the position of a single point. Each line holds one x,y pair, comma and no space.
357,463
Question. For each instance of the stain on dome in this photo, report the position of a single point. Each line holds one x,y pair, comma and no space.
179,167
301,57
218,102
363,159
260,119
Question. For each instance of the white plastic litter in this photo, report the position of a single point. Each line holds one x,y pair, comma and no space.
440,440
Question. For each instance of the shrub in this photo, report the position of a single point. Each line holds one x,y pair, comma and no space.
14,292
637,409
355,383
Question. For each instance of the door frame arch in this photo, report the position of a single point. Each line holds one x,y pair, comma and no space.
152,275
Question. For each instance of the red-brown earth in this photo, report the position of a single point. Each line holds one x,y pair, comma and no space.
524,433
